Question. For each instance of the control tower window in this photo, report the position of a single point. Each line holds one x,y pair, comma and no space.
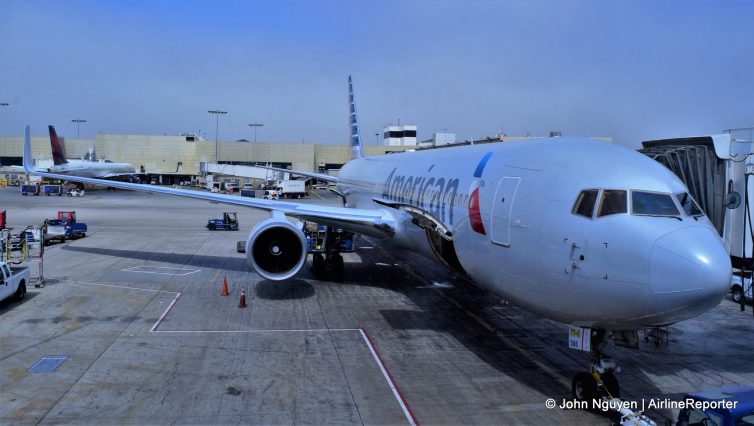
688,205
584,205
652,204
613,202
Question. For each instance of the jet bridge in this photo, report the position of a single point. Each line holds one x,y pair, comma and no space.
716,169
242,171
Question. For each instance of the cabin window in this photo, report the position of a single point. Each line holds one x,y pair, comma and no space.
613,202
652,204
584,205
688,205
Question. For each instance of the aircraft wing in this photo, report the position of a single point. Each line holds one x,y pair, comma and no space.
320,176
375,222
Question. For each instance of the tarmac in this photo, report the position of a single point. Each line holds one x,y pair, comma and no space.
136,309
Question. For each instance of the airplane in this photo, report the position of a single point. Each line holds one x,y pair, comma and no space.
582,232
85,168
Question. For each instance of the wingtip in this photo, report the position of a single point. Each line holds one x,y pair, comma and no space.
27,150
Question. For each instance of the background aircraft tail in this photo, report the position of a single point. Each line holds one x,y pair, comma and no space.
58,152
355,141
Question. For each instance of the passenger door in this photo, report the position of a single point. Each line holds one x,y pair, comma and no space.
502,210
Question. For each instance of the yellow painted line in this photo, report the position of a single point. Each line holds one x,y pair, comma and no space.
318,196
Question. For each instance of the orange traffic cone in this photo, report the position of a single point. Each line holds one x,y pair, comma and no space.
225,287
242,302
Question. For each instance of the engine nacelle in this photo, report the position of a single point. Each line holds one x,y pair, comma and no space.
276,249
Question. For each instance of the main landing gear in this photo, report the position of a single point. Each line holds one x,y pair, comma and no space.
334,261
600,381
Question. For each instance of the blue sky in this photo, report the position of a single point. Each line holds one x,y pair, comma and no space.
632,70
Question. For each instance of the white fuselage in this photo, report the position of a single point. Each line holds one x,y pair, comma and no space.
93,169
620,271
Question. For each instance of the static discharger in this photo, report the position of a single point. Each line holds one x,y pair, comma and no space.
225,287
242,301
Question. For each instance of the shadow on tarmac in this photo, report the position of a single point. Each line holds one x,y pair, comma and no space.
238,264
291,289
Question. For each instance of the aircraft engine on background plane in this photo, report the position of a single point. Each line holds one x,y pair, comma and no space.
276,248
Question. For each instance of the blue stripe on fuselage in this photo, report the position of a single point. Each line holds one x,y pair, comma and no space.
482,164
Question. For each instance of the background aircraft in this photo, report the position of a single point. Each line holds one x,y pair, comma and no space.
90,168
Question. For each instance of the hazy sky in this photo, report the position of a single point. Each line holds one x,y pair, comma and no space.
632,70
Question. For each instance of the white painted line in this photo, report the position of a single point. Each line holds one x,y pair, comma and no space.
156,267
120,286
141,227
313,330
159,321
145,270
375,355
389,378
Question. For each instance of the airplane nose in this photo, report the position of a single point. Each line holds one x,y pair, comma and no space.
689,273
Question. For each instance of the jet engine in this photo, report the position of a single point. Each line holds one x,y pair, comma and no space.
276,249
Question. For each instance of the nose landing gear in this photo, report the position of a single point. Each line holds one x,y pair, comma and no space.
600,381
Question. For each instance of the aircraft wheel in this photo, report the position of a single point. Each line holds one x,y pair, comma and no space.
337,262
738,294
584,387
318,263
610,384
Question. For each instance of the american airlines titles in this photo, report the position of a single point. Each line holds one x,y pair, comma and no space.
436,195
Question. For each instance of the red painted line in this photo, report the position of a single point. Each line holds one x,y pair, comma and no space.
404,403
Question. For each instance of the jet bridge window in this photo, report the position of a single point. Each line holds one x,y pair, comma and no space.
584,205
613,202
652,204
688,205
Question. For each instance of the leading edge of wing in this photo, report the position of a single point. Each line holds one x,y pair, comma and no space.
379,222
320,176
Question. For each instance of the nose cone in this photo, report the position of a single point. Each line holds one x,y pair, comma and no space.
689,272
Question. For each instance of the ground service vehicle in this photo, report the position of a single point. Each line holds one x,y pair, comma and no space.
738,291
13,281
65,226
292,188
76,192
726,406
270,194
229,222
52,190
29,189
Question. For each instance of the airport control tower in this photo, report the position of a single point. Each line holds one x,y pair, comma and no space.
401,135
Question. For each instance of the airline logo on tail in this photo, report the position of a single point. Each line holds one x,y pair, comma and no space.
58,152
475,215
355,141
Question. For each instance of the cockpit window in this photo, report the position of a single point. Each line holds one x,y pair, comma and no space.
613,202
584,205
653,204
688,205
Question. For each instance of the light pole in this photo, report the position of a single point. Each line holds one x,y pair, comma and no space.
78,122
217,114
255,126
377,139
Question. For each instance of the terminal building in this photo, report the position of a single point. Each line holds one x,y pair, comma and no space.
181,158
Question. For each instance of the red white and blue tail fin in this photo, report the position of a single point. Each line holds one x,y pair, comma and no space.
355,141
